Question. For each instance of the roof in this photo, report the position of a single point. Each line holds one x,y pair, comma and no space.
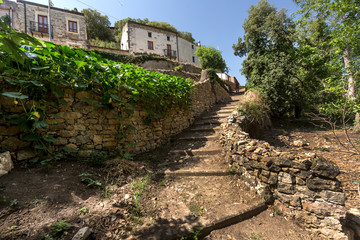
55,8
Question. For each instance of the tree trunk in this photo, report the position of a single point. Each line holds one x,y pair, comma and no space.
351,80
351,87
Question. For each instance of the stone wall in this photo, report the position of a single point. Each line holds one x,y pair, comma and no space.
86,128
301,186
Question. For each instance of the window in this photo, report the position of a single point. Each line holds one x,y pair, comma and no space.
149,34
193,59
73,26
192,46
168,38
43,23
150,45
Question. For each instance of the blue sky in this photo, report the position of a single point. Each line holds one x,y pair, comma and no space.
215,23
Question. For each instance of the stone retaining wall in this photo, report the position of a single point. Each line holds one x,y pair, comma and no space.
86,128
301,186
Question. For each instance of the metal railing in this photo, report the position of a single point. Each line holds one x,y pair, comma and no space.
40,27
169,53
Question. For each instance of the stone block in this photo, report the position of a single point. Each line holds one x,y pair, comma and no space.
10,131
322,208
286,178
70,115
67,134
324,168
6,163
14,143
333,197
286,188
25,155
319,184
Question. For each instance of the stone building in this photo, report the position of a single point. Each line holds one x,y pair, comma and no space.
67,27
141,38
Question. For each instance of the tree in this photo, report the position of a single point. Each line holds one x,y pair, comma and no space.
210,57
270,64
97,26
341,20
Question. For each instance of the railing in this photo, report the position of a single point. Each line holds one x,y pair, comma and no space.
39,27
169,53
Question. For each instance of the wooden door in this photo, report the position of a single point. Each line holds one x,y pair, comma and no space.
43,23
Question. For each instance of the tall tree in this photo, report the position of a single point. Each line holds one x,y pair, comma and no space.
341,19
97,26
270,57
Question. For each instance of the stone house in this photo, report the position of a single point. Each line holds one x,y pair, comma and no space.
141,38
67,27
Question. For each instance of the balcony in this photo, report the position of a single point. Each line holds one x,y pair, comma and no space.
40,27
170,53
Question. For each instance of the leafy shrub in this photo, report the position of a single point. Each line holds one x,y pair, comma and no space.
254,108
179,68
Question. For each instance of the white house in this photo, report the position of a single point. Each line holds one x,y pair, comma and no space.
141,38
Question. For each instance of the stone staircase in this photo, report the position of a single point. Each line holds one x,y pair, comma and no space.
201,192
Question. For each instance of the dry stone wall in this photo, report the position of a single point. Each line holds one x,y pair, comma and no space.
87,128
301,186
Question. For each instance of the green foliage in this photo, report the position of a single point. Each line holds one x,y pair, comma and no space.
330,31
60,227
210,57
179,68
56,67
270,57
138,59
97,26
88,179
105,44
254,108
139,188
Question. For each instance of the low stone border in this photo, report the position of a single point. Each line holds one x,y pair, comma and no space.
302,186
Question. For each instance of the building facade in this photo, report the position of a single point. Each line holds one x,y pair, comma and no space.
67,27
141,38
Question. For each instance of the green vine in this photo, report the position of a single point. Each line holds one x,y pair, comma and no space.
39,77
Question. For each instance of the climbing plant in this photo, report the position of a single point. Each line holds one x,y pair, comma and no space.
41,74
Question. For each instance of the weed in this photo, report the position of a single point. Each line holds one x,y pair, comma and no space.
48,237
277,211
12,228
139,189
255,236
109,186
322,149
83,210
195,206
60,227
179,68
162,182
87,178
14,202
233,169
194,235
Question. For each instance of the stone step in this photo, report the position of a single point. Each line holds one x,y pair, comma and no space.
198,138
213,122
212,117
197,172
196,152
204,128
